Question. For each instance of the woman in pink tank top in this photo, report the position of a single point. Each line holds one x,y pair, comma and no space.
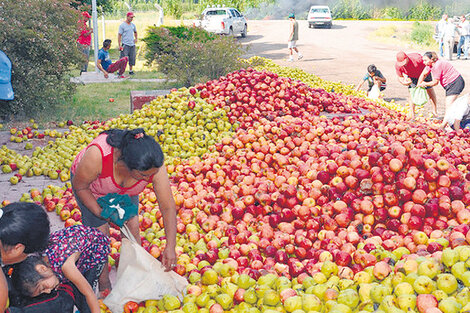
442,72
123,162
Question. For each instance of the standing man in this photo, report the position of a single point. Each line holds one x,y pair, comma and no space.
449,34
84,39
293,37
440,27
464,29
408,68
127,38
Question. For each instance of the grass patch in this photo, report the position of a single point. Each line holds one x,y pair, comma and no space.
417,35
91,102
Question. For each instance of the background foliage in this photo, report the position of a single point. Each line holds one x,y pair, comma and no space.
39,38
191,55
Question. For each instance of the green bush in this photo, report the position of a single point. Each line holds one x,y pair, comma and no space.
351,9
422,34
393,13
424,11
39,37
191,55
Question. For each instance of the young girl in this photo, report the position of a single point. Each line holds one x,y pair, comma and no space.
24,229
77,254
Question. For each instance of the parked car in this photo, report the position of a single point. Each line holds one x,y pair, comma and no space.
224,21
319,15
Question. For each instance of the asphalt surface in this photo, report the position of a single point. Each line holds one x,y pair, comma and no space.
341,53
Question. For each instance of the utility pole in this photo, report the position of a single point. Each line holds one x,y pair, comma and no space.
95,33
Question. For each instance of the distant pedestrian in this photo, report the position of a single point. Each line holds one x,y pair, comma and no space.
464,42
84,39
293,37
440,26
442,72
408,68
127,38
449,34
105,64
374,77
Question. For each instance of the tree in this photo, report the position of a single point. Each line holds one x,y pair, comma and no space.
39,37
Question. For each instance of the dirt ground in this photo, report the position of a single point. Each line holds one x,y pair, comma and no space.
341,53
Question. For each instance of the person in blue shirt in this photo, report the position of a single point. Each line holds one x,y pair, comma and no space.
106,65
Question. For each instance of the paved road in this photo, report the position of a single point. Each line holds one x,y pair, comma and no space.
339,54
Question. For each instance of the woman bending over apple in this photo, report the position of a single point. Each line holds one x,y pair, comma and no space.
123,162
442,72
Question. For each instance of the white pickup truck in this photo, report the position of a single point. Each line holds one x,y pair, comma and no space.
224,21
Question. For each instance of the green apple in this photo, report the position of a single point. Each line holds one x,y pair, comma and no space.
348,297
250,296
458,269
244,281
229,288
450,257
397,278
224,300
308,282
362,278
260,290
311,303
283,282
439,294
364,292
292,304
340,308
466,278
329,268
403,289
268,280
449,305
447,283
271,297
190,307
429,268
401,251
463,297
464,252
213,290
378,292
319,278
346,284
406,302
423,285
319,290
410,278
443,242
209,277
194,277
171,302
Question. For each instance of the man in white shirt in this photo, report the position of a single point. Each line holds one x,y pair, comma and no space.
464,42
440,26
448,39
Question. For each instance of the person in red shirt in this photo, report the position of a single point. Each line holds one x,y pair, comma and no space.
84,39
408,68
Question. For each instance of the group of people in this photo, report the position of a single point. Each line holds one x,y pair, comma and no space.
447,30
45,272
425,71
127,39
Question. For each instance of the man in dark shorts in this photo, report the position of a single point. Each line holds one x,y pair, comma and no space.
408,68
127,37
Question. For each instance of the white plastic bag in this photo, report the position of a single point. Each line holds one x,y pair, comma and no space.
141,277
457,110
374,93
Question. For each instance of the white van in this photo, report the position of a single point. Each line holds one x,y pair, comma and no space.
319,15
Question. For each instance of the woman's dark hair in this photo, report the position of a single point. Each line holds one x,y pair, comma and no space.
25,223
138,150
431,55
25,276
371,68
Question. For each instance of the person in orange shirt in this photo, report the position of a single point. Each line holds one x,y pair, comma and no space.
84,39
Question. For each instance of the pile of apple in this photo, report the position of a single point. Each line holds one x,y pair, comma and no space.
294,211
314,81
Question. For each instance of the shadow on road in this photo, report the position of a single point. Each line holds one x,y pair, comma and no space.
396,99
249,38
321,59
266,50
